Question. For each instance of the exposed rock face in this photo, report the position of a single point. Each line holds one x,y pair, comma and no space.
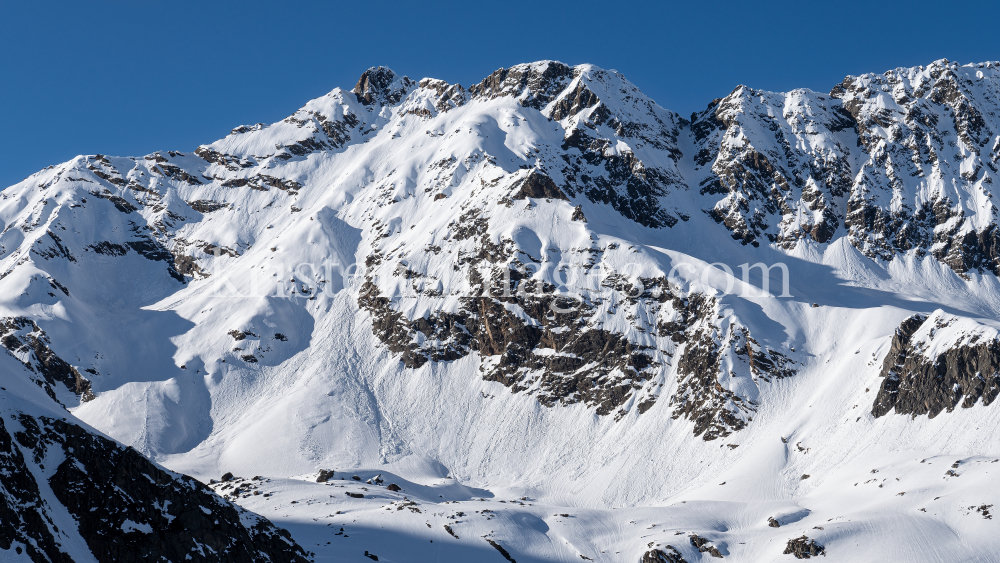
124,507
705,546
534,85
553,347
937,363
23,528
928,136
597,108
701,396
503,552
804,548
380,85
666,555
782,163
24,340
539,186
897,160
559,355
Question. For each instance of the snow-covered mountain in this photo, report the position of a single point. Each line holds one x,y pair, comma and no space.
764,331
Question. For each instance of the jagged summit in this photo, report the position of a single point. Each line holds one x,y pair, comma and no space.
381,85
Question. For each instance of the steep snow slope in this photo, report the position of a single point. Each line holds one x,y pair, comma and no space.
532,288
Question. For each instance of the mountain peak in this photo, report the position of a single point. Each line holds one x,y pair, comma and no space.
380,84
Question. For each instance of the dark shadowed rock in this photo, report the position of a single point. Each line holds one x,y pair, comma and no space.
27,342
539,186
917,385
380,85
668,554
705,546
502,551
804,548
127,508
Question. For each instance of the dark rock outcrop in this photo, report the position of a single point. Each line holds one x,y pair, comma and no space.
503,552
705,546
535,85
125,508
380,85
668,554
538,185
581,371
26,341
917,385
804,548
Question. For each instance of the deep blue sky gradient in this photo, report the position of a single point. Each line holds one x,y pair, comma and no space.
128,77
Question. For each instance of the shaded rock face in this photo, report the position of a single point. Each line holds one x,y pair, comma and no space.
926,129
599,109
536,341
704,546
593,164
23,527
380,85
963,373
534,85
560,358
124,507
897,162
778,182
715,409
23,339
666,555
620,180
804,548
539,186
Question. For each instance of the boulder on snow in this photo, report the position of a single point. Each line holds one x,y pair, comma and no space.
668,554
804,548
704,546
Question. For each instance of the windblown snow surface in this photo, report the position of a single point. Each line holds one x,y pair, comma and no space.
303,296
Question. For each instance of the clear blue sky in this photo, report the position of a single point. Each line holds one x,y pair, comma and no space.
128,77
